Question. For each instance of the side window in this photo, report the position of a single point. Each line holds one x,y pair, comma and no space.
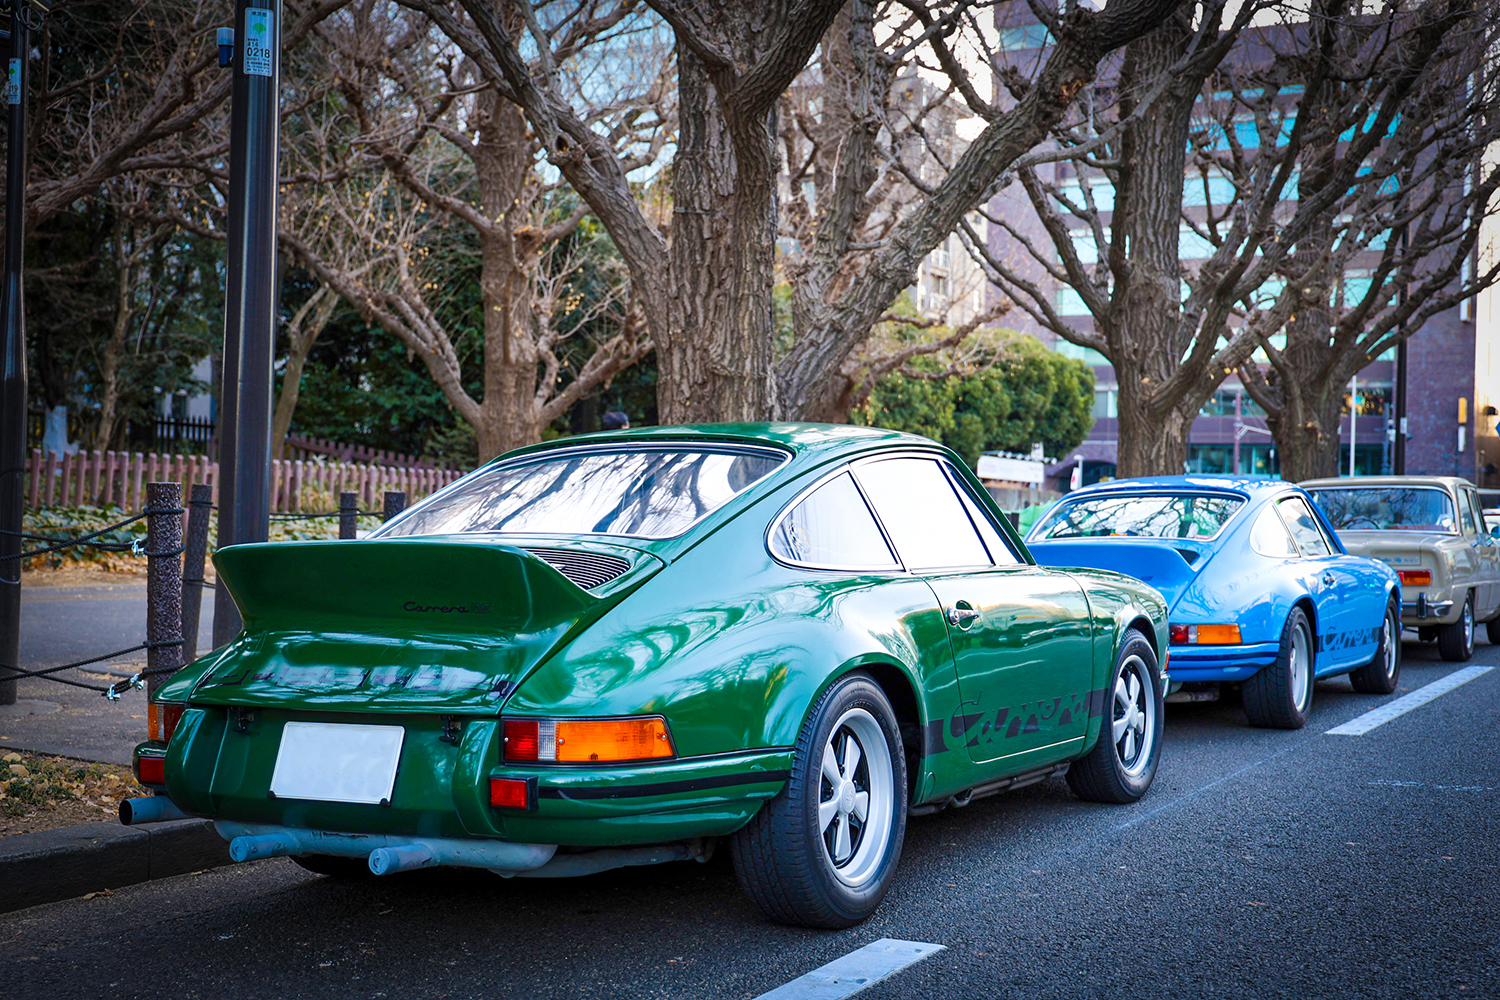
1000,551
1466,513
1269,537
1304,527
832,527
924,517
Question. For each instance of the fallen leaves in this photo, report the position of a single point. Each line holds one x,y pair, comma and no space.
39,792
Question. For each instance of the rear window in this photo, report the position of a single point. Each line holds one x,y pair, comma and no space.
637,492
1158,515
1387,508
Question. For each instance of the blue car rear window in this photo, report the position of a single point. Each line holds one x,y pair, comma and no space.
1159,515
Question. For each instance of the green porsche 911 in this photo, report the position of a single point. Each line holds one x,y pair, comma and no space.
620,649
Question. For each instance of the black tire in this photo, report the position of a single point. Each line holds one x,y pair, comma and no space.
335,866
1492,630
786,858
1456,641
1380,675
1123,761
1280,696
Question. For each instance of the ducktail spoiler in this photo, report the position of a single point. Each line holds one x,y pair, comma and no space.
1167,567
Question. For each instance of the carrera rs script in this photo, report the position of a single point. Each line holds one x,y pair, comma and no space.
477,608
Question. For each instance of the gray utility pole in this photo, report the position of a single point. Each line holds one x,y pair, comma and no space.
251,306
23,19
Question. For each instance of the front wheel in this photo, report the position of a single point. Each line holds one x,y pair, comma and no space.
1121,765
1280,696
823,852
1456,641
1379,676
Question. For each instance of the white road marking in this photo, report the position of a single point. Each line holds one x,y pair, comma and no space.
1421,696
855,971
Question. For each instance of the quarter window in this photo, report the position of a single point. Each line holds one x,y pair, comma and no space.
1466,513
1304,527
1269,537
832,527
1000,552
926,521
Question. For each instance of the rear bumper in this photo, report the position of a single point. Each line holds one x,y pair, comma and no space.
442,789
1221,663
1424,611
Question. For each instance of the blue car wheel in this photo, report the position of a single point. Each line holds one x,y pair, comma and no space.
1379,676
1280,696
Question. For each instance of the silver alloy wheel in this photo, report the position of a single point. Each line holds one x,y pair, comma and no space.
1134,715
1468,621
1390,639
856,798
1300,667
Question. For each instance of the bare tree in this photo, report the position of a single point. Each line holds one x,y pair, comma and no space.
1184,158
1398,245
706,286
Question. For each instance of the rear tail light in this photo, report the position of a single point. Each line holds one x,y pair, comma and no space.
151,770
1205,635
586,741
1416,577
162,718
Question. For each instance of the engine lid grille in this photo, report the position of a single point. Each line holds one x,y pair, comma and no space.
587,570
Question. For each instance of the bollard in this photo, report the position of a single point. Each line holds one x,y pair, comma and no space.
192,567
163,583
395,503
348,515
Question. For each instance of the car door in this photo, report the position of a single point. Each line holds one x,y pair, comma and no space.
1020,634
1486,553
1349,613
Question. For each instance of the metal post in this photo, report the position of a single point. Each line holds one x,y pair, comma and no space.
163,583
395,503
192,567
13,355
348,515
250,306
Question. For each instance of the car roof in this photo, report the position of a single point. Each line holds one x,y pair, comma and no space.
1243,485
1446,482
805,441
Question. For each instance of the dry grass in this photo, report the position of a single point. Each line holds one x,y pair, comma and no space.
40,792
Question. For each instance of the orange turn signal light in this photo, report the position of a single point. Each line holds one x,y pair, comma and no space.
162,718
1205,635
1416,577
587,741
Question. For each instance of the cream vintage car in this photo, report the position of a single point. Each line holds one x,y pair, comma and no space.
1431,531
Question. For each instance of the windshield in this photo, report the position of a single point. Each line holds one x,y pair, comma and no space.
1173,515
1388,508
639,492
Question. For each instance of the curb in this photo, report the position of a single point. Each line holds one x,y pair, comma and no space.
51,865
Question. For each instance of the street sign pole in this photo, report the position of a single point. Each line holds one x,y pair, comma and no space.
251,307
13,354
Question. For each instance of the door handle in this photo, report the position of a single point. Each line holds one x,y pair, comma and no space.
962,617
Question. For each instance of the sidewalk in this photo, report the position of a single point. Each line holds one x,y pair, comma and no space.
60,625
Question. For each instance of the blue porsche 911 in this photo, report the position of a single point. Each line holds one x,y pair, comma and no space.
1259,588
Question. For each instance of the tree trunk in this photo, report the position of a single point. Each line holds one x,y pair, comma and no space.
1307,436
1152,442
716,364
307,323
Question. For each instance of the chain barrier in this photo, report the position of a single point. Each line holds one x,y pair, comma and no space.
132,547
113,691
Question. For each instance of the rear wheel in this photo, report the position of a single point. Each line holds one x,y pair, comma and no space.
1492,630
1121,765
1379,676
823,852
1280,696
1456,641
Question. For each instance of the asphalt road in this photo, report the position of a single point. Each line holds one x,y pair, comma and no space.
1261,864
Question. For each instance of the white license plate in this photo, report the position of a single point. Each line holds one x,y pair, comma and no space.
334,762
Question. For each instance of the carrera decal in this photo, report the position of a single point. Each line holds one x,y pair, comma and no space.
1348,640
1011,722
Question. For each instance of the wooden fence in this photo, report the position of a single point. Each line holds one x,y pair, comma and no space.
298,446
96,478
